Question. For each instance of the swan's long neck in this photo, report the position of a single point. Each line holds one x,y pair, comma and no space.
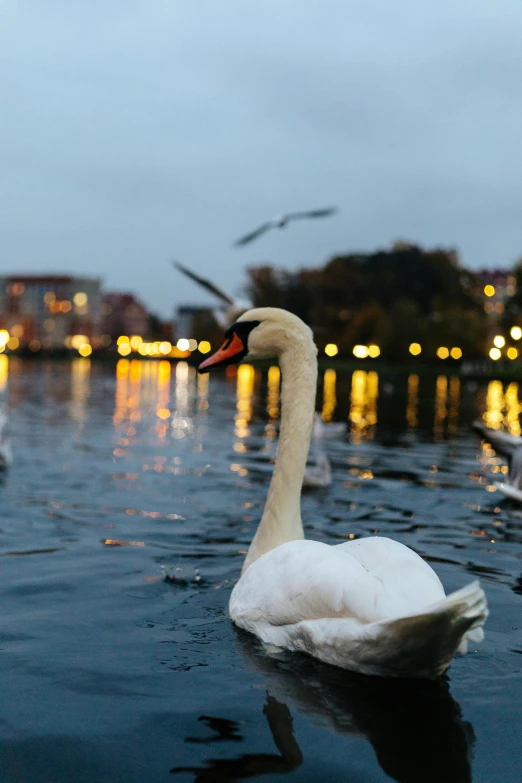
281,519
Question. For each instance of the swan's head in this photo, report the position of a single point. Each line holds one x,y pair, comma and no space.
262,333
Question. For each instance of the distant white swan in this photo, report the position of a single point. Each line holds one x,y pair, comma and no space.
510,447
371,605
6,454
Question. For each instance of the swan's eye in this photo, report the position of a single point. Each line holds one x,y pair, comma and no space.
233,349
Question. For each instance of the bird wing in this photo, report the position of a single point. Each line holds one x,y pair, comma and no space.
312,213
368,580
207,284
254,234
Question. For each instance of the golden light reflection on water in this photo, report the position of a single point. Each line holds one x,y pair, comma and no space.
80,376
202,391
122,382
454,403
412,405
4,372
244,392
363,404
244,405
163,401
329,395
494,405
441,412
182,424
272,401
503,408
513,409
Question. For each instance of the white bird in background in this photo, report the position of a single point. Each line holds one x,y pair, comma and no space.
371,605
281,221
6,454
331,430
510,447
224,315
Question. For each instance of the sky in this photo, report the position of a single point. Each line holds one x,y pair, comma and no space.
134,132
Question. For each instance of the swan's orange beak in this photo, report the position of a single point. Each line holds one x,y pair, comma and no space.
231,352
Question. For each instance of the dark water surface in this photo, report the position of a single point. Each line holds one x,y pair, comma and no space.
112,672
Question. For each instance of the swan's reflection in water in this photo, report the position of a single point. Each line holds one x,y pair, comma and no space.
414,726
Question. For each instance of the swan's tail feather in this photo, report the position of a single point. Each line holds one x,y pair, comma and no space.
420,645
426,643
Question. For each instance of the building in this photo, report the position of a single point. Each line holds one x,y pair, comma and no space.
123,314
45,311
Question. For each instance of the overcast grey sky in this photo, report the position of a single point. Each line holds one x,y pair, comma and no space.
135,131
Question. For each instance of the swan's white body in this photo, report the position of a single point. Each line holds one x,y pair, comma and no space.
370,605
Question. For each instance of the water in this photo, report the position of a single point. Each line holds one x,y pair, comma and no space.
123,524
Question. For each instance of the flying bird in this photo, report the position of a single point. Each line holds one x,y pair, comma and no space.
282,220
224,315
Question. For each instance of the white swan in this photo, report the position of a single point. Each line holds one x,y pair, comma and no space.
6,454
370,605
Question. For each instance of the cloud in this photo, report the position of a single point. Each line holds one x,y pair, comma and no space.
136,131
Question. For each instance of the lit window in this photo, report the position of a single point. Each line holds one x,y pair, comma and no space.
442,352
331,349
415,349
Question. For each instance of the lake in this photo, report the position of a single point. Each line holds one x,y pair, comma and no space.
134,493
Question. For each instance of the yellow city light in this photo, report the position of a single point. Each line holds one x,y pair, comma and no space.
489,290
331,349
204,346
512,352
442,352
80,299
4,337
374,351
516,332
122,339
17,330
65,306
79,339
456,353
499,341
415,349
495,354
124,349
360,351
135,341
49,297
85,349
165,347
182,344
14,342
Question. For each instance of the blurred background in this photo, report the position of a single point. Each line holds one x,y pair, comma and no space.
140,132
